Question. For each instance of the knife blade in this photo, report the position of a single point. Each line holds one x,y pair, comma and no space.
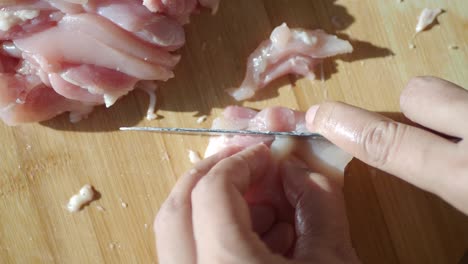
218,132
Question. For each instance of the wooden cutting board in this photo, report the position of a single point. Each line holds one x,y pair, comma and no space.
42,165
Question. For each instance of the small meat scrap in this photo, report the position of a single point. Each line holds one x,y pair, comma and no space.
122,203
77,201
288,51
194,157
150,88
202,119
426,18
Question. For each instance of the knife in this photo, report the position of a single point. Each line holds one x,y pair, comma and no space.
218,132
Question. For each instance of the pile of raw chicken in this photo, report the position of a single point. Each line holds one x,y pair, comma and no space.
62,56
70,55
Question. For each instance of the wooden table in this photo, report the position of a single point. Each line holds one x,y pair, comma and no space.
42,165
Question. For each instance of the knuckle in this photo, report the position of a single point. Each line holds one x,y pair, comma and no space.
381,141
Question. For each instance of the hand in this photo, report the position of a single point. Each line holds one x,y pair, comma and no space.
211,217
421,157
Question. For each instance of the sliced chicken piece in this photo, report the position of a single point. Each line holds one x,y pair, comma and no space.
25,99
72,91
75,42
160,30
287,51
109,84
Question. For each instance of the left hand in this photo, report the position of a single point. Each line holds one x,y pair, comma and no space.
208,218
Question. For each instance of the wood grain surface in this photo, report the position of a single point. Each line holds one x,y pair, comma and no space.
42,165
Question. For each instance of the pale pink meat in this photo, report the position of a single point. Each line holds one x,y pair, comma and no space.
288,51
26,99
159,29
73,92
83,53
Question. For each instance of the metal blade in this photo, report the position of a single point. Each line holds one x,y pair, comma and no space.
217,132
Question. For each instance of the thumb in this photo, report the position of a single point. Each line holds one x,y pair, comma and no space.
320,217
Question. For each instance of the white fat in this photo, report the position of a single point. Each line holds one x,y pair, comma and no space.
280,36
426,18
11,49
304,37
241,93
110,99
202,119
282,147
260,62
8,107
77,201
194,157
9,19
150,88
122,203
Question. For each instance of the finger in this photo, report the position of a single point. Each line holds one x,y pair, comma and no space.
411,153
321,224
173,224
436,104
280,238
221,217
263,218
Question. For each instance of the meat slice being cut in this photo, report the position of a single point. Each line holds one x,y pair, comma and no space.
317,153
81,53
287,51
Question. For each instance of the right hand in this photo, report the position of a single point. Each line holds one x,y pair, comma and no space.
425,159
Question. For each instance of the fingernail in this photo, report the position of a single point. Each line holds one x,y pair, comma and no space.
310,116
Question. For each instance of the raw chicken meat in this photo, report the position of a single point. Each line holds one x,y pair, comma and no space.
288,51
426,18
318,155
70,55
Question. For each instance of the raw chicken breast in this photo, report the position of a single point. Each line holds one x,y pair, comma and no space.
287,51
319,154
77,54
